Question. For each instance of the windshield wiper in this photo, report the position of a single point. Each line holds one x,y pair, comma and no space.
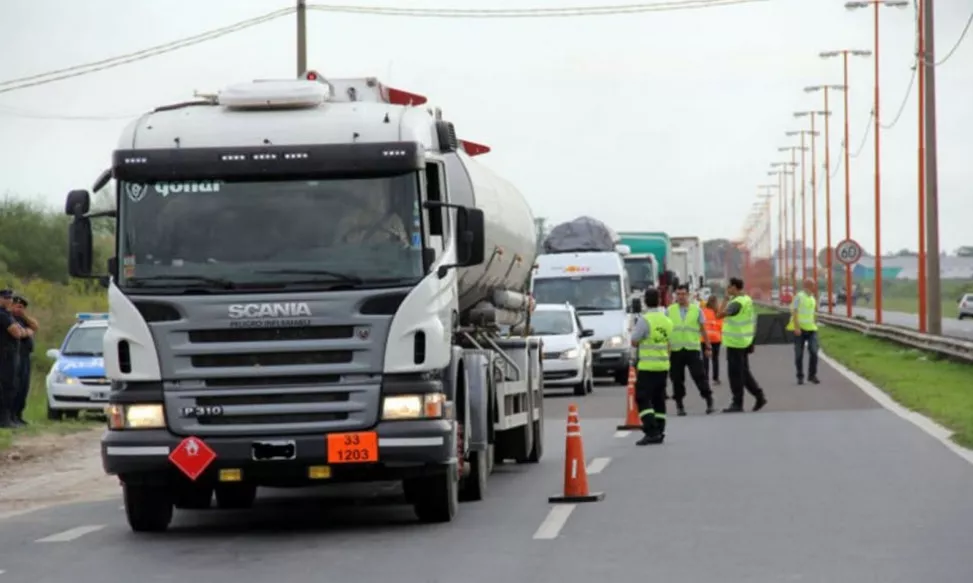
81,354
215,281
590,309
335,274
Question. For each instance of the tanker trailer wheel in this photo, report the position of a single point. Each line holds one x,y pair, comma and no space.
147,508
435,498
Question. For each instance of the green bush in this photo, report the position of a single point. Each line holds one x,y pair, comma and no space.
33,262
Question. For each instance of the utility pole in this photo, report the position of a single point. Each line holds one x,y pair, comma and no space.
928,62
301,38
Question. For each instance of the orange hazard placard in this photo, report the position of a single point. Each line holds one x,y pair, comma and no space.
353,448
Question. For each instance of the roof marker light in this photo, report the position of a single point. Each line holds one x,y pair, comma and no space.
474,149
400,97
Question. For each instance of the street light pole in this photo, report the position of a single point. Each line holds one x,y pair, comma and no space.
877,4
814,187
301,38
804,148
829,260
844,53
933,275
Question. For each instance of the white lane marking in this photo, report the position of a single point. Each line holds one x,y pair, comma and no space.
552,525
598,465
622,433
71,534
937,431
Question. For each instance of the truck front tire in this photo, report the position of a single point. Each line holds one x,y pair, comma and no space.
148,508
435,498
474,486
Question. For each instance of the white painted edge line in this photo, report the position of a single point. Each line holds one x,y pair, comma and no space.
598,465
555,521
622,433
71,534
937,431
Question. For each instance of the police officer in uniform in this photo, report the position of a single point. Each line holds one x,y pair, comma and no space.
651,336
804,311
739,318
11,333
688,334
18,310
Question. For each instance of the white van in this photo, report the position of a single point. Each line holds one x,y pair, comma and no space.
596,284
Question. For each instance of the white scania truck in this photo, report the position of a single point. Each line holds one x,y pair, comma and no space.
309,279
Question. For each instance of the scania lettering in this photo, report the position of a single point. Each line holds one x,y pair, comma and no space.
269,310
312,304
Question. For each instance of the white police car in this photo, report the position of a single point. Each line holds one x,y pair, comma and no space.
77,379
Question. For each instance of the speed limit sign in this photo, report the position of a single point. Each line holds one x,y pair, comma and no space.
848,252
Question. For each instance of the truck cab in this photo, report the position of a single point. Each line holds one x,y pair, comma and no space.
304,292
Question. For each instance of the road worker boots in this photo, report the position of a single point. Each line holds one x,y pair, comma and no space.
709,405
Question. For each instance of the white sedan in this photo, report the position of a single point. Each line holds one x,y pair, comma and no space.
567,352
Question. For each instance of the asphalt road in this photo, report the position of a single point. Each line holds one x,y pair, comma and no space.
822,486
952,327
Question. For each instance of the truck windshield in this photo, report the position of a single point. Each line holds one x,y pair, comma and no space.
641,274
584,293
221,234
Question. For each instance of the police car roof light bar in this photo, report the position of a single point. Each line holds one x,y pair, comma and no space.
91,316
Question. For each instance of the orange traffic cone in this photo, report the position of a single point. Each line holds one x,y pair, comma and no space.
575,470
632,419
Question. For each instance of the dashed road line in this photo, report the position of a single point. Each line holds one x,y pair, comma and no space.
555,521
71,534
598,465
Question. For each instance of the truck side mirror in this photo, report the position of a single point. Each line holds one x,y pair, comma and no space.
587,333
80,251
470,236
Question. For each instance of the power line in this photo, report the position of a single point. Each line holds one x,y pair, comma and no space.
905,100
664,6
959,41
93,67
868,131
23,113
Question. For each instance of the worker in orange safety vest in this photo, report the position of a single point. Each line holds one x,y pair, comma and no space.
714,332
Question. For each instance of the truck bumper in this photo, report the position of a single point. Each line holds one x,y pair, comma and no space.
406,449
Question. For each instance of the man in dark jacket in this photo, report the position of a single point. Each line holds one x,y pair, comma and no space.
19,311
11,333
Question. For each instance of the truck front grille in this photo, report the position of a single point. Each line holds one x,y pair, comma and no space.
271,359
270,334
596,344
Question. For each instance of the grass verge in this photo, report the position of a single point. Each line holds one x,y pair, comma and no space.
54,306
920,381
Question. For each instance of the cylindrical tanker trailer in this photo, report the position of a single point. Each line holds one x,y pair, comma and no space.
309,281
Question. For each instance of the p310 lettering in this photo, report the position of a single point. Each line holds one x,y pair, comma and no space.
201,411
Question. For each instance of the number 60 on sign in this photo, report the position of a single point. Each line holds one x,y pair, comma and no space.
848,252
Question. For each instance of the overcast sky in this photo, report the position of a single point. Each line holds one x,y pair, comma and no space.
659,121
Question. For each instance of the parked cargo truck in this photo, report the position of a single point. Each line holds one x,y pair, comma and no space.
650,244
695,274
310,279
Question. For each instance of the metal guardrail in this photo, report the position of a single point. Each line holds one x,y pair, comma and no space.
953,348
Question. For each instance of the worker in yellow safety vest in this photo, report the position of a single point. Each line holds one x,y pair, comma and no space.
652,336
804,325
689,343
739,323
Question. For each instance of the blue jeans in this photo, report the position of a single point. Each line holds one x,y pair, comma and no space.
811,339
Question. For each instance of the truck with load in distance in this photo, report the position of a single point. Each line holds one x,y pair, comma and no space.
650,244
309,280
695,275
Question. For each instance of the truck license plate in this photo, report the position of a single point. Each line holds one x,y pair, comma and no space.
99,396
264,451
353,448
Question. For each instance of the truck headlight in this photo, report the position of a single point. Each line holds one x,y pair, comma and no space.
424,406
63,379
569,354
136,416
614,342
